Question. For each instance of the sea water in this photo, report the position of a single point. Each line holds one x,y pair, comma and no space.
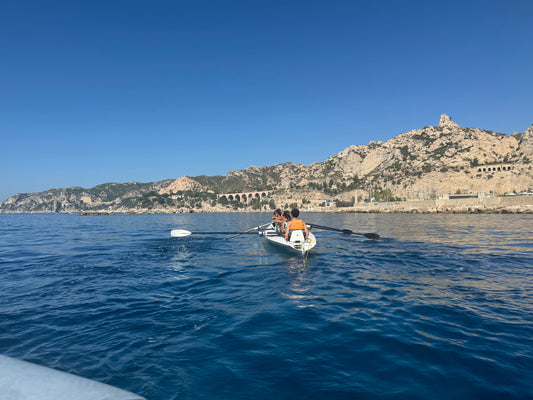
440,308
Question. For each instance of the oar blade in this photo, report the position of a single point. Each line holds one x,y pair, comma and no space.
179,233
327,228
373,236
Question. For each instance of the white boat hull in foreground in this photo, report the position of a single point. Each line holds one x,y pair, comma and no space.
21,380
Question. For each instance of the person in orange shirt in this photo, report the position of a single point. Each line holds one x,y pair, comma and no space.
296,224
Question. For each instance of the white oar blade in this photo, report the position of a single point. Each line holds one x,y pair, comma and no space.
179,233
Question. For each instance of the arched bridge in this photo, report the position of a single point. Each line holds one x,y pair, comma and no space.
495,168
244,197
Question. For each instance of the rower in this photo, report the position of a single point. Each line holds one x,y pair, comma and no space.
296,224
283,222
287,217
278,221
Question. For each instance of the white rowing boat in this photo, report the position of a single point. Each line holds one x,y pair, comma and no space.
296,244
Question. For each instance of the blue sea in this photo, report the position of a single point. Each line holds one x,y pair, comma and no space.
440,308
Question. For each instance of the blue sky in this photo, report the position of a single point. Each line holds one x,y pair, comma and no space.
116,91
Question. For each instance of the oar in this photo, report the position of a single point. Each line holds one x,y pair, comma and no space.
183,233
374,236
249,230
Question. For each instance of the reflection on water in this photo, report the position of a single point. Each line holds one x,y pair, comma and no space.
431,260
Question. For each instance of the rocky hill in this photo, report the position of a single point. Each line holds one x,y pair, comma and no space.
436,160
420,164
108,196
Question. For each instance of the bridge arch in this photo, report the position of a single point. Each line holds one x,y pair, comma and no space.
494,168
245,197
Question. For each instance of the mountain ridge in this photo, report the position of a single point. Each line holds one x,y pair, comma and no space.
419,164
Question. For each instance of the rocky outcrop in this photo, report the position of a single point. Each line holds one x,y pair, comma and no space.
182,184
526,143
435,160
446,122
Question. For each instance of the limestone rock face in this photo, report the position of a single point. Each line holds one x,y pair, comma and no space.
526,143
428,162
182,184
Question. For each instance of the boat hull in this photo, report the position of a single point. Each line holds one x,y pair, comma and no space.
23,380
294,246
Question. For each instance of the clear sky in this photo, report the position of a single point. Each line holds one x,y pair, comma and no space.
116,91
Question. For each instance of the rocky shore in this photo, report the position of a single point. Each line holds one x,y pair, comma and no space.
481,205
477,205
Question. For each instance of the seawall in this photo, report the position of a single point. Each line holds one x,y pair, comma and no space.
506,204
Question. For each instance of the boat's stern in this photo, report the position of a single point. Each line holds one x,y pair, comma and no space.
297,240
300,243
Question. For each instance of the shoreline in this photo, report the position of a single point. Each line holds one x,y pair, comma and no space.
343,210
476,205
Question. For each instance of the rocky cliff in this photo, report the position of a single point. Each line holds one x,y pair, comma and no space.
420,164
441,159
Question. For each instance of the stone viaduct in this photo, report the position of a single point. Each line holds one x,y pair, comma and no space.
244,197
494,168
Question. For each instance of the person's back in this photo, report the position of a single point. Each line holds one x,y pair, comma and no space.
287,217
296,224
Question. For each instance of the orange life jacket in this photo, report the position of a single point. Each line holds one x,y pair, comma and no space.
297,224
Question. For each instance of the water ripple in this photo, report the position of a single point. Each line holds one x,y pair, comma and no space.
439,308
